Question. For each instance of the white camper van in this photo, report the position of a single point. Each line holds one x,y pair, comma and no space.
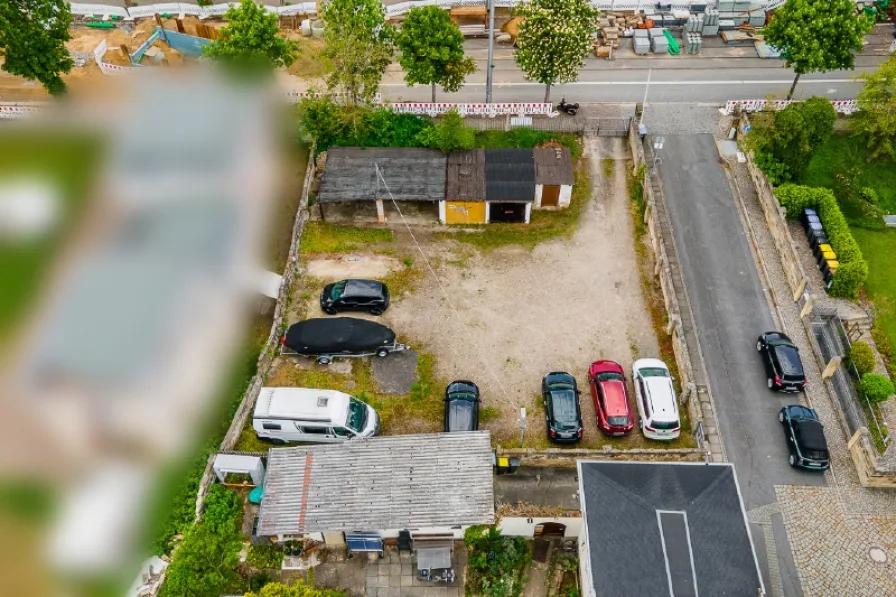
305,415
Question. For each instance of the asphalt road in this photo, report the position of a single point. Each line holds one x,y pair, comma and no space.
730,311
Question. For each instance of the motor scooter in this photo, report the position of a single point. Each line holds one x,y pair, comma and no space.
570,109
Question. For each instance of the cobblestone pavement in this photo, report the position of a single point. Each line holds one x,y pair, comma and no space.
833,529
393,575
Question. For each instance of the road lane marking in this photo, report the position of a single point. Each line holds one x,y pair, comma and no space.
639,83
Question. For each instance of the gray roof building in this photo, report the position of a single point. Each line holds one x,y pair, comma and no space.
509,175
398,482
350,174
553,166
466,176
665,528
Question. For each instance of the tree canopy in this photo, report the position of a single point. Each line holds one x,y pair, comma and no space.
875,121
300,589
360,45
817,36
432,50
784,150
554,38
251,39
32,41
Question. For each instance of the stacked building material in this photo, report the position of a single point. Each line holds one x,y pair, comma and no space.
694,24
641,41
725,5
658,41
610,36
693,42
710,22
757,18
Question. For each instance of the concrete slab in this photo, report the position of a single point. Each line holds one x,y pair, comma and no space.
396,373
543,486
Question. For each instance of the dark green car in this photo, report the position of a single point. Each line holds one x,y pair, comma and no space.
805,438
562,410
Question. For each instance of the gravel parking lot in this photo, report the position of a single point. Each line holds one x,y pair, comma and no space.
560,307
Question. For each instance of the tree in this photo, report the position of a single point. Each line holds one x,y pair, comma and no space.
554,38
816,36
449,134
877,387
432,50
360,45
32,41
251,39
784,150
300,589
875,121
205,563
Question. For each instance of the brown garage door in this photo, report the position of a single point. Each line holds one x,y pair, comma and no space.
550,196
465,212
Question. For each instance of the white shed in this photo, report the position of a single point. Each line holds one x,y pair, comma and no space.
553,177
239,463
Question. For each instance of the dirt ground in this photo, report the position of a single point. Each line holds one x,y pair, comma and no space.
559,307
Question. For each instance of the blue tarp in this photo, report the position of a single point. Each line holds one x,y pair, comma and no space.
186,44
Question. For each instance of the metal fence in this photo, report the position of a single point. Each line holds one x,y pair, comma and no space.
558,124
831,341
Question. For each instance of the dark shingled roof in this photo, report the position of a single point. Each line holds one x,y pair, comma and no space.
466,176
411,174
509,175
553,166
701,513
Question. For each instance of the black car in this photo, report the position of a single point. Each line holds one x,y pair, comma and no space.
562,411
461,406
355,295
781,359
805,438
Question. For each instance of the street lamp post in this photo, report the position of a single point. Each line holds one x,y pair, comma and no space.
491,52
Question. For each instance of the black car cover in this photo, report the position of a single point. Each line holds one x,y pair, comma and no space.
336,335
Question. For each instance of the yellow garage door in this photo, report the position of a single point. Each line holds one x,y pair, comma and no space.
465,212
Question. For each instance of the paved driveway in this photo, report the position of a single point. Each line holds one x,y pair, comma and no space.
730,310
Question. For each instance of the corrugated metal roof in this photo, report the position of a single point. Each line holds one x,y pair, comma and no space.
509,175
553,166
399,482
410,174
466,176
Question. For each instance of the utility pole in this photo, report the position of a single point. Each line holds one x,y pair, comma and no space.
491,52
644,103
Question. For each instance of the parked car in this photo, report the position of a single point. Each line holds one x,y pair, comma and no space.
614,413
562,411
309,415
783,366
655,395
805,438
461,406
355,295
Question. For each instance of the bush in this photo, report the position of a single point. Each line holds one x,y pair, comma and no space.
877,387
449,134
265,556
496,563
784,150
862,356
853,268
869,195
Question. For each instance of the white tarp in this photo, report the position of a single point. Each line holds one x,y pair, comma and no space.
238,463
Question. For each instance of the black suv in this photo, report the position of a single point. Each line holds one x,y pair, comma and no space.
355,295
805,438
461,406
562,411
783,366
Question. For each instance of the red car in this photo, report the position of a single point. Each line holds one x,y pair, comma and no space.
614,414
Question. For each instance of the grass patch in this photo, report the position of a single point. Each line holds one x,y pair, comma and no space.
67,162
844,152
310,63
488,413
543,226
635,183
526,138
319,237
609,166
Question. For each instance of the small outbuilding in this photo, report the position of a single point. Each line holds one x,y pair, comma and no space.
509,184
371,178
553,177
465,190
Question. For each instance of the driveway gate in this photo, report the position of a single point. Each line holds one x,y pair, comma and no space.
607,127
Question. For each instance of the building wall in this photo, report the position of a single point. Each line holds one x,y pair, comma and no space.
565,196
525,527
585,565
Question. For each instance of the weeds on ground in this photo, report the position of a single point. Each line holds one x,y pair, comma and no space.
265,556
319,237
403,279
543,225
525,138
310,63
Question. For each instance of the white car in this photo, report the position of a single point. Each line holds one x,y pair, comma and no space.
655,396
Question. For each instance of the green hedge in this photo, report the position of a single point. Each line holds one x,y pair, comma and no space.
853,267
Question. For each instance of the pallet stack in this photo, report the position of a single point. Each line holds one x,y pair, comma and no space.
710,22
658,42
693,42
642,42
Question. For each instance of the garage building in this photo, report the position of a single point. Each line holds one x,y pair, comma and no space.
509,184
553,177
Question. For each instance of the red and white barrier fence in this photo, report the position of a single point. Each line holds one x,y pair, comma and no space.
840,106
490,110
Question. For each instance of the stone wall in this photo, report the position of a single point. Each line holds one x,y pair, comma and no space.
563,457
